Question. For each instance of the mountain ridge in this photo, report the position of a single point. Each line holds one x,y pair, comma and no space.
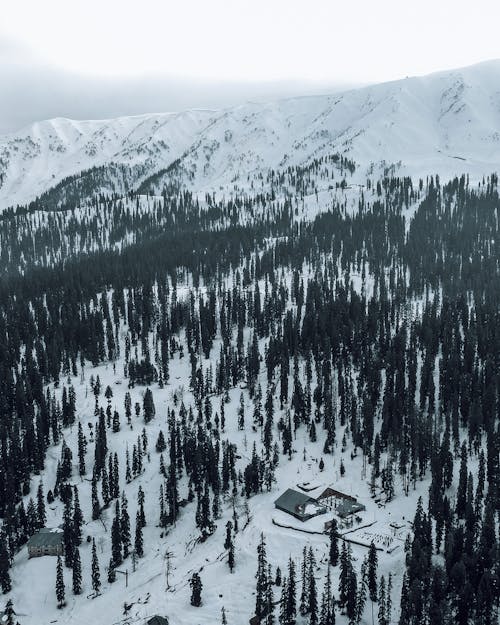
447,122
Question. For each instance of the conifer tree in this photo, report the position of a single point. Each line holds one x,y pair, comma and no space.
196,588
96,506
116,537
60,590
382,618
68,534
160,442
277,579
261,577
229,539
304,583
40,506
230,557
361,593
125,527
372,571
312,607
77,517
327,613
96,573
5,581
269,600
140,503
334,543
148,406
77,573
290,601
138,543
9,613
82,448
111,571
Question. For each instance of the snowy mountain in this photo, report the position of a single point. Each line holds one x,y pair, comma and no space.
447,122
276,401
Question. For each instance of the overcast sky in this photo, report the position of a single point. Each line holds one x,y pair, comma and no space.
103,58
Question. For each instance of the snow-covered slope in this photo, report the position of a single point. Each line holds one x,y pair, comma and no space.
447,122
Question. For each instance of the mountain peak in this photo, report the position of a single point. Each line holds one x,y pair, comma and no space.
423,123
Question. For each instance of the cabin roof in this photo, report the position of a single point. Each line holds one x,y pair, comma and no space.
46,537
291,500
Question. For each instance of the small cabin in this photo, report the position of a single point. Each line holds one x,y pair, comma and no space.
299,505
46,542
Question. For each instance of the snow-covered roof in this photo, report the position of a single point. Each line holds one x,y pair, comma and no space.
291,500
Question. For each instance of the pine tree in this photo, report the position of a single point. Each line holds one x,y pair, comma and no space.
196,588
230,557
462,484
352,604
77,517
9,613
388,600
361,593
277,579
111,571
106,497
68,534
5,581
304,579
96,573
290,601
40,506
312,607
77,573
382,618
96,506
372,571
269,599
261,576
60,590
327,614
116,537
140,503
160,442
116,421
228,540
82,448
125,527
334,543
345,566
148,406
282,615
138,543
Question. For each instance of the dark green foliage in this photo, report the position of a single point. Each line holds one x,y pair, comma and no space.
60,590
196,588
77,573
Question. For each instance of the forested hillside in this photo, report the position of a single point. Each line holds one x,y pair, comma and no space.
171,363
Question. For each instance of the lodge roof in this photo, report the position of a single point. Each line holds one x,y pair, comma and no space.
46,537
291,500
